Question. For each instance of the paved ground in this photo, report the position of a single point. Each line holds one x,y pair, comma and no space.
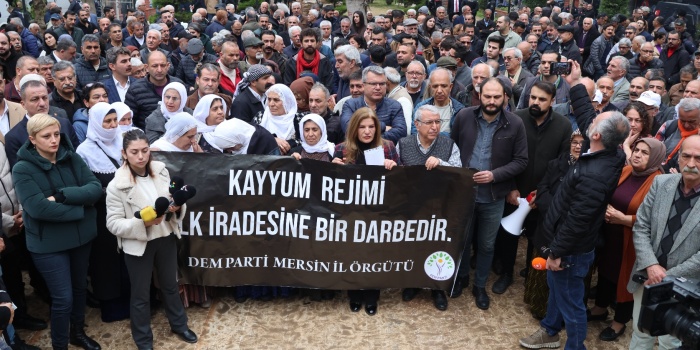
297,323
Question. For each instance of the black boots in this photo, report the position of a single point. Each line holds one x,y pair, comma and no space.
80,339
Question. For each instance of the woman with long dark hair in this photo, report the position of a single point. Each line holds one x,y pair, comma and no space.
640,125
358,23
428,27
58,193
147,245
363,134
50,41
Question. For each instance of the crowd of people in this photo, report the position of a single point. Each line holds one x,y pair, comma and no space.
593,118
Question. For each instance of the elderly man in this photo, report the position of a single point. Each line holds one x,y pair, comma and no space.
45,68
500,153
142,97
197,56
470,97
617,71
641,63
119,61
137,38
91,67
673,132
398,93
511,38
606,86
347,61
585,37
665,234
153,40
515,71
531,57
570,227
295,38
441,82
25,65
486,25
677,91
319,98
637,86
567,45
390,113
250,98
428,147
65,94
29,41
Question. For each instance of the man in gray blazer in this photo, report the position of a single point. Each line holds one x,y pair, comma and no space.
617,71
666,235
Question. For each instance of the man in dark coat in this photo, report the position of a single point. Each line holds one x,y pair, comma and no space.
309,59
585,36
249,101
674,57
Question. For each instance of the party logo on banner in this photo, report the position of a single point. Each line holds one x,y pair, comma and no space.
439,266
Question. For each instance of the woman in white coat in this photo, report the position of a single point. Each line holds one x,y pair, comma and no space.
136,185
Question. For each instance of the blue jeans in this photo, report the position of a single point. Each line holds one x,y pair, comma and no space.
565,301
65,273
487,217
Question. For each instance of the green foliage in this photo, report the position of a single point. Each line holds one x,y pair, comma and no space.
612,7
535,3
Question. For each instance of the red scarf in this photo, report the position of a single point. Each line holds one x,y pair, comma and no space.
302,65
684,134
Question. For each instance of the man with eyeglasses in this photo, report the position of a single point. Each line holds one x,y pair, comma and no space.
674,57
515,71
415,81
646,60
389,112
431,148
548,134
674,132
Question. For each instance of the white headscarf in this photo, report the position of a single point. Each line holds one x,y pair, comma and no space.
122,110
177,126
101,143
181,90
323,145
201,112
231,133
282,125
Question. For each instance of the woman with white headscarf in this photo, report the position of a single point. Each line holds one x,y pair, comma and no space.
174,99
314,140
180,135
280,117
101,151
209,112
125,121
235,136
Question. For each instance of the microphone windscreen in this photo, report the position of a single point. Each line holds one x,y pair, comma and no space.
182,196
146,214
539,263
176,183
162,204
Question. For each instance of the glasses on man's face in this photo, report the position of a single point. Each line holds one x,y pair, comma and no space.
430,122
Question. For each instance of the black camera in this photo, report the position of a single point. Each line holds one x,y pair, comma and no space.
671,307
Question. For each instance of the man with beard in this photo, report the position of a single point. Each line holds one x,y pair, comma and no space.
567,44
111,14
405,54
674,57
309,59
91,68
208,76
45,68
169,20
548,134
319,98
511,39
25,65
65,95
144,95
269,53
389,112
347,61
607,87
515,71
114,32
441,82
549,58
251,92
254,54
641,63
531,59
119,61
84,23
500,154
197,56
8,56
415,83
494,47
228,63
68,27
617,71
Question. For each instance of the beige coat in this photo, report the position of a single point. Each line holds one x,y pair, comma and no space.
8,198
124,197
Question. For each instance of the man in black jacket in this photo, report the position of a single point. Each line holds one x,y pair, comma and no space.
570,228
309,59
252,92
493,141
144,94
548,135
674,57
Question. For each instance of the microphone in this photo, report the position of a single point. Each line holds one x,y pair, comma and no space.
539,263
183,195
150,213
176,183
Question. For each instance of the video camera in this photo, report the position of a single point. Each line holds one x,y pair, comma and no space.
672,307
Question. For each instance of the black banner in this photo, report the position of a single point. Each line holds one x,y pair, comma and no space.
276,221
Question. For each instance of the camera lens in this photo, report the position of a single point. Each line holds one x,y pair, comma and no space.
684,325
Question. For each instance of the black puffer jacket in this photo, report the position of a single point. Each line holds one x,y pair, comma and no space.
577,209
85,73
143,100
636,69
